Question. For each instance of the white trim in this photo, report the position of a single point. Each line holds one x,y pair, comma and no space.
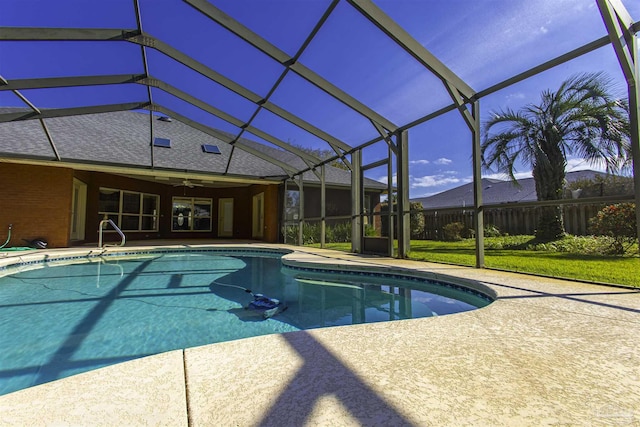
225,217
78,210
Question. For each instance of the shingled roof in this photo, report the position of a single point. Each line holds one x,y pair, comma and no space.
494,191
123,139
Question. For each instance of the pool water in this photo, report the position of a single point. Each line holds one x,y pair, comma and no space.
57,321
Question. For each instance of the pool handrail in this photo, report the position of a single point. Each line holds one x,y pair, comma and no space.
115,227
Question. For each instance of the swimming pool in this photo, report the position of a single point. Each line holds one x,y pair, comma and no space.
60,320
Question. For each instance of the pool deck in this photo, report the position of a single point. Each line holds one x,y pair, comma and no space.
546,352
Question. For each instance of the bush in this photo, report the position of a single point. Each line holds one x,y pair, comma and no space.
370,231
416,219
290,234
453,231
339,233
310,234
618,222
491,230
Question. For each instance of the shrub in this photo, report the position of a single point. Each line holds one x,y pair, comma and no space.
370,230
453,231
290,234
491,230
339,233
416,219
618,222
310,234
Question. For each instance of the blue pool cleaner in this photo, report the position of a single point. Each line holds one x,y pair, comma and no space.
269,307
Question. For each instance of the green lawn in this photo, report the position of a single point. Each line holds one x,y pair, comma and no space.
592,268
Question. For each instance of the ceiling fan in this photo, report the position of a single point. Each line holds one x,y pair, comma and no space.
187,183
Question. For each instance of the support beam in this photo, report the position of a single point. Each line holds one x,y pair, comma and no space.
51,82
477,185
284,211
226,117
145,64
50,139
284,59
204,70
356,202
390,217
625,43
45,129
404,217
374,14
65,34
386,136
583,50
225,138
331,140
75,111
323,207
300,211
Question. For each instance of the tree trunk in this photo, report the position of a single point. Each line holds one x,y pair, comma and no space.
549,177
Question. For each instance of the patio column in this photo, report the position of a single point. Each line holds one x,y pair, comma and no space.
625,43
356,201
284,211
300,211
404,217
323,197
477,186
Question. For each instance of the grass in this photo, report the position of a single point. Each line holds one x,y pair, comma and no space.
609,269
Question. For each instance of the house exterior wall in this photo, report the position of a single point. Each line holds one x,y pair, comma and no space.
36,200
242,208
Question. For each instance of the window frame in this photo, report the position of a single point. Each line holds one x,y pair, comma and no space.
140,214
192,202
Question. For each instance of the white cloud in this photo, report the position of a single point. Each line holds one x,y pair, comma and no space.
544,30
579,164
504,177
573,164
515,96
433,181
443,161
384,179
419,162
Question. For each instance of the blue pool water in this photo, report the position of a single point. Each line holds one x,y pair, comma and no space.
57,321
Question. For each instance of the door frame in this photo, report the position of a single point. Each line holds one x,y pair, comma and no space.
78,210
222,218
257,217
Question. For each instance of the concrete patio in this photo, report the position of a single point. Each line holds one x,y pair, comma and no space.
546,352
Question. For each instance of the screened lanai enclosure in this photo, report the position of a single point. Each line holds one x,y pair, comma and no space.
298,95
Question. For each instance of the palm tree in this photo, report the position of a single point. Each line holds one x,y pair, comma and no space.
581,118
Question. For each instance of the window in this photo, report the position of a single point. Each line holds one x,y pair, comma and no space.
162,142
130,210
292,207
191,214
212,149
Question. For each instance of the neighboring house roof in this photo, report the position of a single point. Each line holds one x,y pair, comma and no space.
123,138
494,191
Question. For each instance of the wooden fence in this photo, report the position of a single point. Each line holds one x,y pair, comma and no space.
511,220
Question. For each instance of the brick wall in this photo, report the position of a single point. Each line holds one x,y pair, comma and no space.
37,201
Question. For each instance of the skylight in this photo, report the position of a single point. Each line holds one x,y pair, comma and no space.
209,148
162,142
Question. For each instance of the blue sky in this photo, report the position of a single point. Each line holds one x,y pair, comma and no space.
482,41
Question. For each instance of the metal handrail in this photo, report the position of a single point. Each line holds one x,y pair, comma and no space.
115,227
